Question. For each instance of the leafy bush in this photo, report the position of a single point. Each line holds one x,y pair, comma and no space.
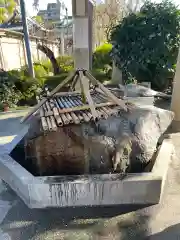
66,63
101,56
145,44
9,94
16,88
41,71
100,75
53,81
29,89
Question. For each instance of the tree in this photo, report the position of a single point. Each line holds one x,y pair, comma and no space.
145,44
38,19
51,57
7,8
108,14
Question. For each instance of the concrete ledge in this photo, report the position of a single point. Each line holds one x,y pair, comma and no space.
140,100
92,190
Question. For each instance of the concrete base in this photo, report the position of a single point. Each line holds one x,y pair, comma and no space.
140,100
92,190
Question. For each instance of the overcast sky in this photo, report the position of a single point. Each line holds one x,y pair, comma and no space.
43,4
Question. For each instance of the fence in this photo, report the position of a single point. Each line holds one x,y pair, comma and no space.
12,49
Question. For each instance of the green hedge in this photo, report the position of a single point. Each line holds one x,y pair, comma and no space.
146,43
20,89
53,81
101,56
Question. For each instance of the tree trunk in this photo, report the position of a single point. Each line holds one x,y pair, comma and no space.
51,56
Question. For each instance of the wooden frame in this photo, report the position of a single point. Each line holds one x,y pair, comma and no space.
83,76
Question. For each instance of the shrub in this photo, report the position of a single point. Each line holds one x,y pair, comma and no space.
145,44
9,93
66,63
29,89
16,88
53,81
101,56
100,75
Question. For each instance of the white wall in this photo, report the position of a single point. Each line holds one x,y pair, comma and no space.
13,56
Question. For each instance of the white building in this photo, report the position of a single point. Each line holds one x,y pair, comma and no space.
54,12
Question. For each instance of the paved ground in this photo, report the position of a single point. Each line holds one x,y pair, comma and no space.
162,221
9,127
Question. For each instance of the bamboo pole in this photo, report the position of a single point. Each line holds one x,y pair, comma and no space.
68,79
75,118
101,114
84,107
43,119
74,82
57,117
86,117
106,91
49,124
66,94
53,124
89,115
104,113
65,119
69,117
80,117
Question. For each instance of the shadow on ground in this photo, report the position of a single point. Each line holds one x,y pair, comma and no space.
78,223
10,126
171,233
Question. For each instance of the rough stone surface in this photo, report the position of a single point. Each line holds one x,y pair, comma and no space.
134,90
124,143
131,135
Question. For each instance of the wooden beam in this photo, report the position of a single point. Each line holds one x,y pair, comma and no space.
85,89
67,80
106,91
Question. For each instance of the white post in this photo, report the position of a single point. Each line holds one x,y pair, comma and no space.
62,42
116,75
175,104
82,33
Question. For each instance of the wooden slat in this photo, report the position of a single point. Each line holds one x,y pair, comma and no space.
68,79
74,81
74,93
106,91
84,107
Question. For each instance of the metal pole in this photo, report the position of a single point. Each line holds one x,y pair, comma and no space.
26,39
